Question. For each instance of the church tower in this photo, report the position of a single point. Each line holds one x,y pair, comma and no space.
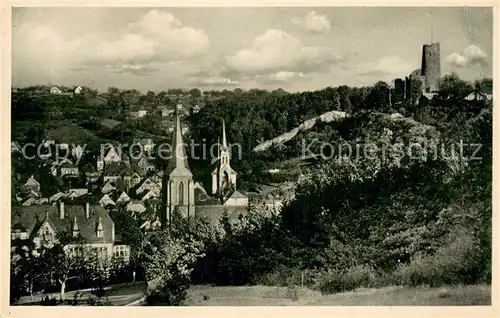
178,181
223,176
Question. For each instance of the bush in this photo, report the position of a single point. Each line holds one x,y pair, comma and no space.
286,276
352,278
456,262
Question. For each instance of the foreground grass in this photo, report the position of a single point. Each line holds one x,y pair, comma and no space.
471,295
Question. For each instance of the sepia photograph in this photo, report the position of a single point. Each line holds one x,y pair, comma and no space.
251,156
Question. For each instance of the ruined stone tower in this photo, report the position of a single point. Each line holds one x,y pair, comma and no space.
431,67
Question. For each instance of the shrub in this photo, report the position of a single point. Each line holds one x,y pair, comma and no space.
457,261
352,278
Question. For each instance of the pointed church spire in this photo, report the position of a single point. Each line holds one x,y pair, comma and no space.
178,160
218,148
224,140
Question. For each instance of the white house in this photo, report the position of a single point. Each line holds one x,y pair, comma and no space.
55,90
106,200
123,198
78,90
112,156
148,184
136,207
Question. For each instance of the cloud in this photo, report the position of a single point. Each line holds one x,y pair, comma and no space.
217,81
156,37
276,51
313,22
282,77
385,67
471,55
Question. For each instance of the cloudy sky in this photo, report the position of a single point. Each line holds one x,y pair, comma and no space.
214,48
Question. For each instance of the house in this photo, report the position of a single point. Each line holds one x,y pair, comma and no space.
150,185
135,207
135,179
106,201
29,202
123,198
31,185
108,187
145,164
42,201
55,90
149,225
76,193
78,90
41,224
68,169
165,112
112,156
150,195
478,96
138,114
114,172
56,197
237,199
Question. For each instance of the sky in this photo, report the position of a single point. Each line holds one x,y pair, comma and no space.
294,48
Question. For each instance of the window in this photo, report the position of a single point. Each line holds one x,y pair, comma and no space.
181,193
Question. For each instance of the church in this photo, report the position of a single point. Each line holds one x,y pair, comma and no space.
182,193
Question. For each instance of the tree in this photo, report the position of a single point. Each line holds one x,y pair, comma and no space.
452,88
168,262
62,264
195,92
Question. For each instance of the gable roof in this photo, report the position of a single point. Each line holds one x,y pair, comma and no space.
136,206
123,197
107,187
79,192
31,217
32,181
57,196
238,195
106,199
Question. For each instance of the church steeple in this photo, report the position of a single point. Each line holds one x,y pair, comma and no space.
223,177
179,186
224,140
178,161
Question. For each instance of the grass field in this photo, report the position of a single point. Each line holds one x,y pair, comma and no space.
473,295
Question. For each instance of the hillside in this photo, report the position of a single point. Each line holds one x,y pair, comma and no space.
306,125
